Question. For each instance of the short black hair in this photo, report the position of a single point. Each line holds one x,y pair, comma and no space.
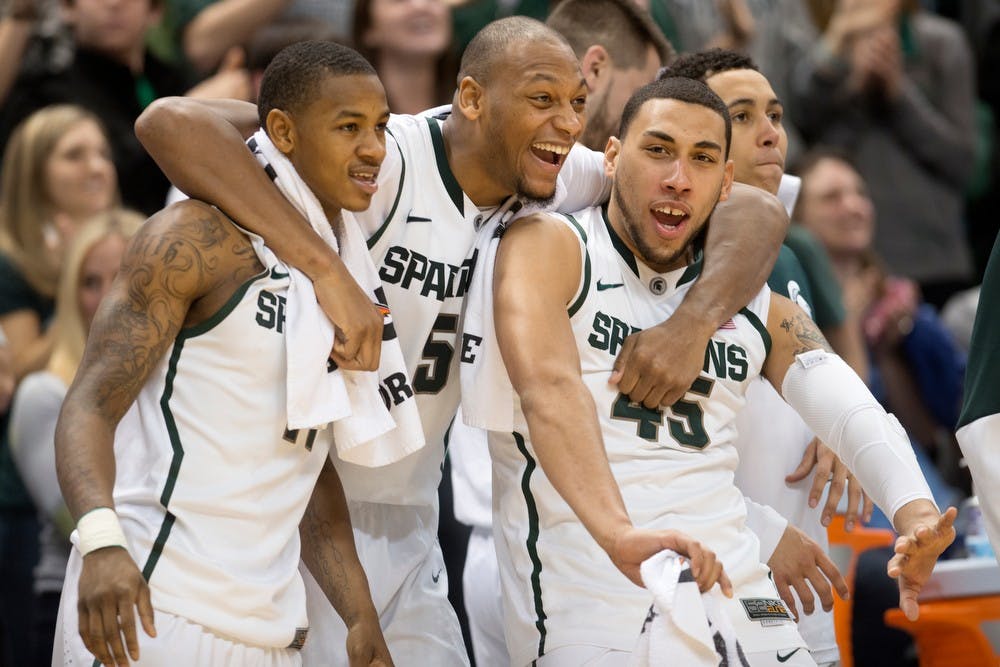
292,79
681,89
491,45
703,64
622,27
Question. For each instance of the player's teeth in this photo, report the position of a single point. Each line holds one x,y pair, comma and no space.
552,148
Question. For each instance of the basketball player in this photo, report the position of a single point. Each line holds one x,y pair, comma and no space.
595,277
516,115
202,486
979,424
771,436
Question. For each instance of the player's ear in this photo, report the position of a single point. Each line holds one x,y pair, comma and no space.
727,181
469,98
595,63
611,152
281,129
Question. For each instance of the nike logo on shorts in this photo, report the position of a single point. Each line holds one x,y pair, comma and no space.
788,656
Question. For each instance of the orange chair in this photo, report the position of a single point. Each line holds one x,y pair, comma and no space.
949,633
858,540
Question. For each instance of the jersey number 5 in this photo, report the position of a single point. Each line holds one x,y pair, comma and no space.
430,378
687,425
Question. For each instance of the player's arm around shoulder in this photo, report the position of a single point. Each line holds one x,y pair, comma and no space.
179,256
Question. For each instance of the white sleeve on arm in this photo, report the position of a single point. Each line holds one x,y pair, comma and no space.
840,409
767,525
586,183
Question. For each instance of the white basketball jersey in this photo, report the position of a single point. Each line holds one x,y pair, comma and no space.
674,467
210,485
421,229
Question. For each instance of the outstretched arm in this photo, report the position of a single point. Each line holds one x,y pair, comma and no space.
840,409
199,146
329,553
537,274
657,365
177,257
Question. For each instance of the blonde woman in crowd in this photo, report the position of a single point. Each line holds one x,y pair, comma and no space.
56,172
90,266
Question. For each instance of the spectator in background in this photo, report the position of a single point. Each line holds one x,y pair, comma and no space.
895,85
409,43
775,33
56,173
90,265
114,76
916,369
209,30
33,37
620,49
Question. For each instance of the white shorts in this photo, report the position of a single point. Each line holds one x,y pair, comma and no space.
178,641
484,600
595,656
399,550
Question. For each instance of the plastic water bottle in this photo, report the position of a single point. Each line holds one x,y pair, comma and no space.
977,542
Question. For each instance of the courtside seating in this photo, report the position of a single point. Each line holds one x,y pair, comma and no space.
858,540
949,632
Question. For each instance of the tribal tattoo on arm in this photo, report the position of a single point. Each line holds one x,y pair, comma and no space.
179,256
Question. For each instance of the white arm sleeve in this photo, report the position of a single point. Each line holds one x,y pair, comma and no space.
767,524
838,407
584,178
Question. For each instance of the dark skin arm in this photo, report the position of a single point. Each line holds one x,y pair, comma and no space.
177,267
199,146
329,553
657,365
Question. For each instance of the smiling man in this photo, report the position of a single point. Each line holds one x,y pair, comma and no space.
595,278
509,139
172,447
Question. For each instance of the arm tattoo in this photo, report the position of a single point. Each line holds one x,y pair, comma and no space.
807,335
164,271
324,558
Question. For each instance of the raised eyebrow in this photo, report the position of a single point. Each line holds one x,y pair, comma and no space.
743,101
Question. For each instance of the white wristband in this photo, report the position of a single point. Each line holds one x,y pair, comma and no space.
99,528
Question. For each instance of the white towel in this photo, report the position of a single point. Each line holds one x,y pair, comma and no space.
487,393
364,431
683,627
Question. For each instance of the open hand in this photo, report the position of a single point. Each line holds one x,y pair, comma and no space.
916,552
111,588
799,563
829,468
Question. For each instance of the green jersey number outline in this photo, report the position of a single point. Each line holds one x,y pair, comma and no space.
687,425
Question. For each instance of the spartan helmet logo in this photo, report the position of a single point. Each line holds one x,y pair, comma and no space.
657,285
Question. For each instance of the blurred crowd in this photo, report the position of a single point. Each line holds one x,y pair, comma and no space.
891,109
